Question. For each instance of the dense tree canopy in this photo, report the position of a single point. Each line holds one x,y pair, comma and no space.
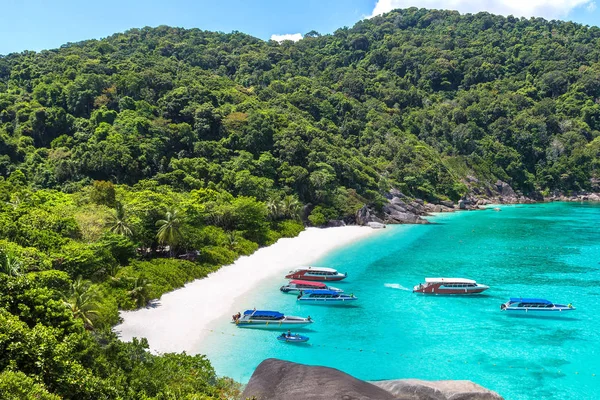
133,164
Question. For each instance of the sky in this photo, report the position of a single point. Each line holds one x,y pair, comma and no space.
47,24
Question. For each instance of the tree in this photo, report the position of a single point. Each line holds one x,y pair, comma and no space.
118,222
82,301
169,232
140,292
10,264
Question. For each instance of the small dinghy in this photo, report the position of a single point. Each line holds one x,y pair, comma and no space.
292,338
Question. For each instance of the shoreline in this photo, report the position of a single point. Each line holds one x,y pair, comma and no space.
178,320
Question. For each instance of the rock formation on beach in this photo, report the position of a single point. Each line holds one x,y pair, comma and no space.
401,209
276,379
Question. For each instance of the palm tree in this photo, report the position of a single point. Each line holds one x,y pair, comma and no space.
9,264
140,292
118,222
232,240
81,300
290,207
274,209
168,230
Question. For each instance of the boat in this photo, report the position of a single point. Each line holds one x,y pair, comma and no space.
316,274
295,286
449,286
535,307
269,320
325,297
292,338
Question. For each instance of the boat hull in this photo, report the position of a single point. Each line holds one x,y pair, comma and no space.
296,291
293,339
275,325
316,278
328,302
433,291
551,312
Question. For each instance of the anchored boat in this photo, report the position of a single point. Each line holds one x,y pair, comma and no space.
292,338
449,286
316,274
296,286
535,307
269,319
325,297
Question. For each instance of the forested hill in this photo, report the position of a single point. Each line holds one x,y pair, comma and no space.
415,99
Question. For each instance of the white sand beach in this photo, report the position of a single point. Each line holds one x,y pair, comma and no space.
168,326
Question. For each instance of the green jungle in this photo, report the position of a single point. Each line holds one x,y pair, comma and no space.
134,164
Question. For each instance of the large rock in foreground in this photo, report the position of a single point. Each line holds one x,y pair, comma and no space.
282,380
415,389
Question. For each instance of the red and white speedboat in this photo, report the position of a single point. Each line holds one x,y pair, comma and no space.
315,274
297,286
449,286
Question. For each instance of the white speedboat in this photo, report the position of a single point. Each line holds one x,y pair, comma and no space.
459,286
269,320
325,297
316,274
535,307
296,286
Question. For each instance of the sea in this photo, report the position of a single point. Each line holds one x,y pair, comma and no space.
549,251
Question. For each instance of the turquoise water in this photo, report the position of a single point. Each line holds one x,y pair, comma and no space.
545,250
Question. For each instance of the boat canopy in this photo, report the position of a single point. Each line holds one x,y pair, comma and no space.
322,269
318,291
529,300
261,313
449,280
309,283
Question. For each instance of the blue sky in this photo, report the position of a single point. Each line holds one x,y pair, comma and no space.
46,24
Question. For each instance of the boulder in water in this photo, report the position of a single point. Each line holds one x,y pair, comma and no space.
283,380
415,389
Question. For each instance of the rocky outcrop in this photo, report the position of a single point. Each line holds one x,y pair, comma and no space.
282,380
414,389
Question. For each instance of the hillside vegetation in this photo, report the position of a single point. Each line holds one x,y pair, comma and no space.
133,164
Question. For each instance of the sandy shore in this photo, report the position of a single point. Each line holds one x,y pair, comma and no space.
170,327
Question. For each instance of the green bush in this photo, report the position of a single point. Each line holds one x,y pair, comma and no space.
289,228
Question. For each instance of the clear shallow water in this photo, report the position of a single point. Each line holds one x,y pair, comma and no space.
545,250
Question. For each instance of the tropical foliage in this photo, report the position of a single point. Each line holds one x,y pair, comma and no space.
134,164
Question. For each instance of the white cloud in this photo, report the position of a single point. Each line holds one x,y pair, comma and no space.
294,37
550,9
591,7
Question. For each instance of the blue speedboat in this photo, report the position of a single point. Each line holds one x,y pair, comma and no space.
292,338
269,320
325,297
535,307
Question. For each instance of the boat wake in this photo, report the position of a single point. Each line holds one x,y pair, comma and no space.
395,286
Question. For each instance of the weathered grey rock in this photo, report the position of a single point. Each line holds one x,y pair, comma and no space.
415,389
282,380
505,190
333,223
376,225
403,218
594,197
447,203
363,215
396,193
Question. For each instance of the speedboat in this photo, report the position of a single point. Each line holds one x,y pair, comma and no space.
269,319
535,307
316,274
449,286
325,297
296,286
292,338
